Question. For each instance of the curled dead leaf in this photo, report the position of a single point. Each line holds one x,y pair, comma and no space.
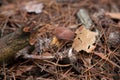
84,40
34,6
113,15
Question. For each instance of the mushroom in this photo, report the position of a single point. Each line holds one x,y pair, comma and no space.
63,33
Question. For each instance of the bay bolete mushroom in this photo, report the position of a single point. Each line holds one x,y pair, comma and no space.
63,33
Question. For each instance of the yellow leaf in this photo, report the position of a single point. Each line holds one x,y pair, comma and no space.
55,42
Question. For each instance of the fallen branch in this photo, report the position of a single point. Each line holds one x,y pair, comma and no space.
11,44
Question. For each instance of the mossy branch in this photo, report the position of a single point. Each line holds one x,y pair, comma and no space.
11,44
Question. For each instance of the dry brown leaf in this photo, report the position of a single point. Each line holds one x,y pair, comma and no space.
84,40
113,15
34,6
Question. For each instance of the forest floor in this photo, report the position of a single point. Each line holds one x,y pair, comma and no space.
59,40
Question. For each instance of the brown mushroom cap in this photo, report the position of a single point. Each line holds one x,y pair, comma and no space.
64,33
